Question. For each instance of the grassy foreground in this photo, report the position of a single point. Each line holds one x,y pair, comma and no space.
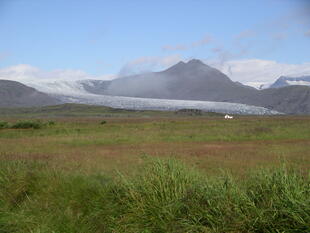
105,170
164,196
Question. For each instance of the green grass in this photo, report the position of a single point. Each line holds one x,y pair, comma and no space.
82,110
163,196
89,172
25,124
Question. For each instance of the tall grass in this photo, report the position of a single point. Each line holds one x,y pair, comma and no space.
163,196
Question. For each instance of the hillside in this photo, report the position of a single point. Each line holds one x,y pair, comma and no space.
290,99
15,94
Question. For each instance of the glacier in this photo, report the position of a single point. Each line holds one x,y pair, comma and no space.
134,103
74,92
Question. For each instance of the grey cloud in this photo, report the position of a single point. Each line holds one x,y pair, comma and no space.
245,34
279,36
307,33
222,55
205,40
174,47
4,55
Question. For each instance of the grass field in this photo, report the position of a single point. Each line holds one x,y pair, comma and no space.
153,172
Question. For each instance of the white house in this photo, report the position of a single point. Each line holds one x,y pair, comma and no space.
228,117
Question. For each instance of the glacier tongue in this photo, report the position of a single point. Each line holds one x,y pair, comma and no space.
165,104
74,92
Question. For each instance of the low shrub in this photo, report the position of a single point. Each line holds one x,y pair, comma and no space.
4,125
103,122
50,123
27,125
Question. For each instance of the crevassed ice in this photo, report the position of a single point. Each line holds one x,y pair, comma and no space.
166,104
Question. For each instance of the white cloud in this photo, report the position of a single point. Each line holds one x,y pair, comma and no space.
252,72
27,73
255,71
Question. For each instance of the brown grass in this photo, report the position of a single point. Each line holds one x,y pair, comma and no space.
210,155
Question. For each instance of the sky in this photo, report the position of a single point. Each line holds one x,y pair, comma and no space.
250,41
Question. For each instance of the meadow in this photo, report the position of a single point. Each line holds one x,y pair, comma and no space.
97,169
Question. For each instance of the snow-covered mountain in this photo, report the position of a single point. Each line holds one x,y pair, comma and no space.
89,92
61,87
284,81
258,85
191,81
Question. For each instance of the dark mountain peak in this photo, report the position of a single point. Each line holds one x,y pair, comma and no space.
190,66
180,63
198,64
195,62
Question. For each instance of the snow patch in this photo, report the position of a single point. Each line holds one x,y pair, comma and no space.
297,82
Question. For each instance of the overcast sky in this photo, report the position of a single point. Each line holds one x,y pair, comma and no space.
251,41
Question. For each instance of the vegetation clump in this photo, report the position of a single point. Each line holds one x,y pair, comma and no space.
103,122
27,125
50,123
4,124
165,196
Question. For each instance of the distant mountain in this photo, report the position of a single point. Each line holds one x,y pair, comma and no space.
290,99
284,81
196,81
184,81
193,80
15,94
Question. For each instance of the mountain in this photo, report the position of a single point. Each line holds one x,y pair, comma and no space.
15,94
192,80
290,99
284,81
195,80
184,81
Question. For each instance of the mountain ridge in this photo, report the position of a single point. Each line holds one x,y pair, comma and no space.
284,81
192,80
15,94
